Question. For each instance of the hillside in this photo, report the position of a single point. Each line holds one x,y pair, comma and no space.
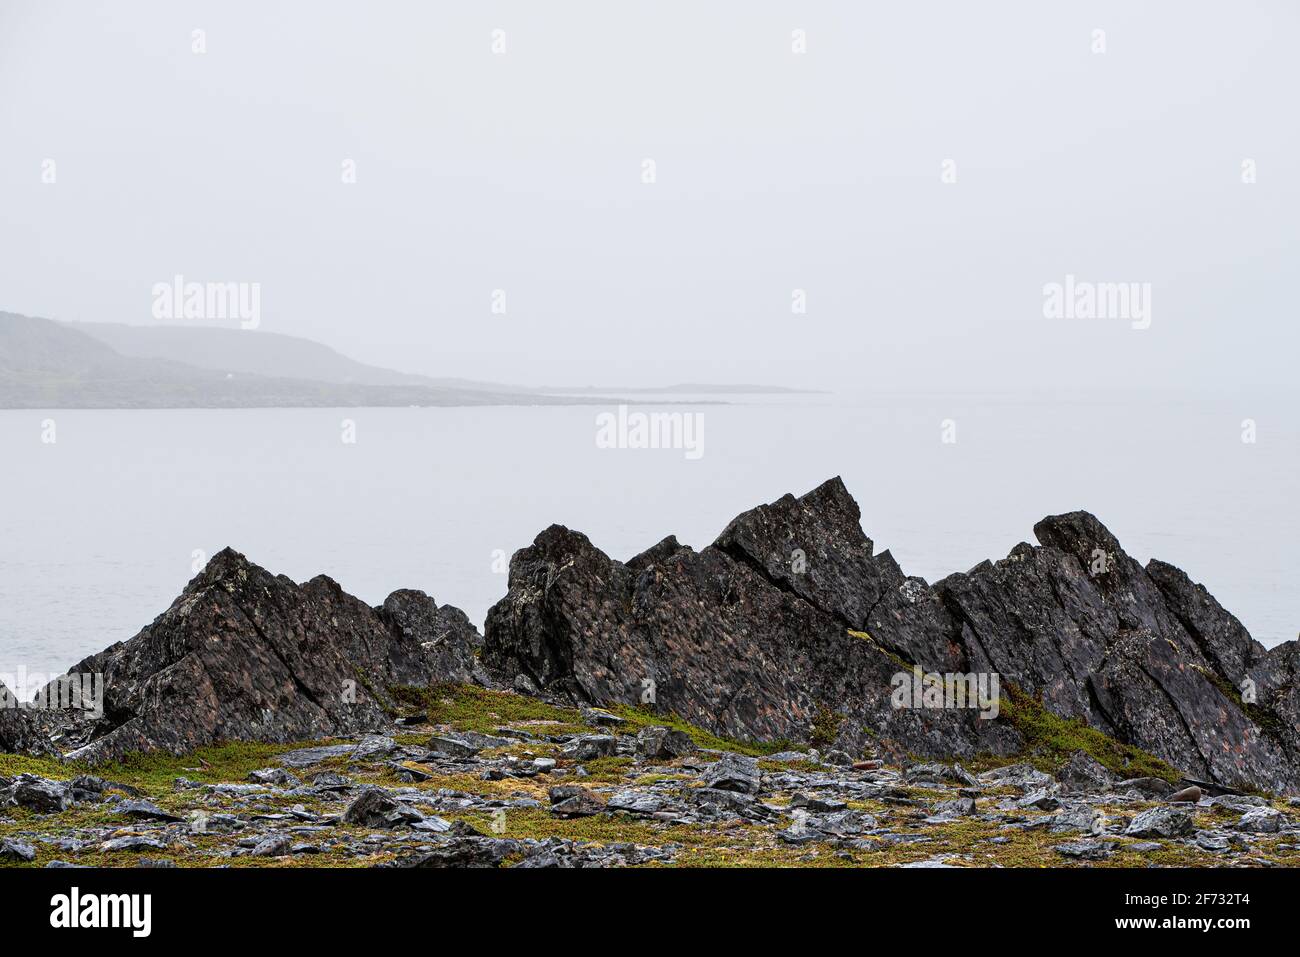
50,365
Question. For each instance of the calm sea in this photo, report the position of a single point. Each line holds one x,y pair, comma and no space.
101,528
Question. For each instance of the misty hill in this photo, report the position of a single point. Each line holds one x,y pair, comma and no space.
260,353
50,365
273,354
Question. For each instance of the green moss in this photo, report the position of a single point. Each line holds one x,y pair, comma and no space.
825,726
1051,739
638,718
470,708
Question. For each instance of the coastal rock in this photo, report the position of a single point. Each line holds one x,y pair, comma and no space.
21,730
711,637
246,655
790,627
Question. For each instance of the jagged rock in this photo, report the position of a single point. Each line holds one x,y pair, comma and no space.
950,810
1260,820
1161,822
1147,787
448,643
463,852
246,655
1041,800
133,842
274,777
750,637
21,730
588,747
570,800
36,794
1025,777
13,849
1085,850
660,743
733,773
143,811
721,643
1083,772
375,807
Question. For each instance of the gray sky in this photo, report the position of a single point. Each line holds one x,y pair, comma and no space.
523,171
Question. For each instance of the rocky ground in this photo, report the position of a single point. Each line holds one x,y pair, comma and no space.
476,777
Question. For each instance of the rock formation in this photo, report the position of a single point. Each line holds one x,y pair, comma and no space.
246,655
788,626
20,730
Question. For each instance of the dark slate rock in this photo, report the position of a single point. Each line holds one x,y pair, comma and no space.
1261,820
1161,822
375,807
21,730
658,743
717,641
13,849
244,655
733,772
1147,787
1082,772
36,794
133,842
141,810
1085,850
463,852
588,747
575,801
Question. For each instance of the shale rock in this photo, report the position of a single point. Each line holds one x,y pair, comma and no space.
21,730
790,627
727,641
246,655
1161,822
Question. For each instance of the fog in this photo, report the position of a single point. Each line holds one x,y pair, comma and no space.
514,161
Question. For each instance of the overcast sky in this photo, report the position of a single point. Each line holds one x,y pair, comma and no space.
775,171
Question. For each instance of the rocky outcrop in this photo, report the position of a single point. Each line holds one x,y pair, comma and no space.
246,655
789,626
21,732
742,637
